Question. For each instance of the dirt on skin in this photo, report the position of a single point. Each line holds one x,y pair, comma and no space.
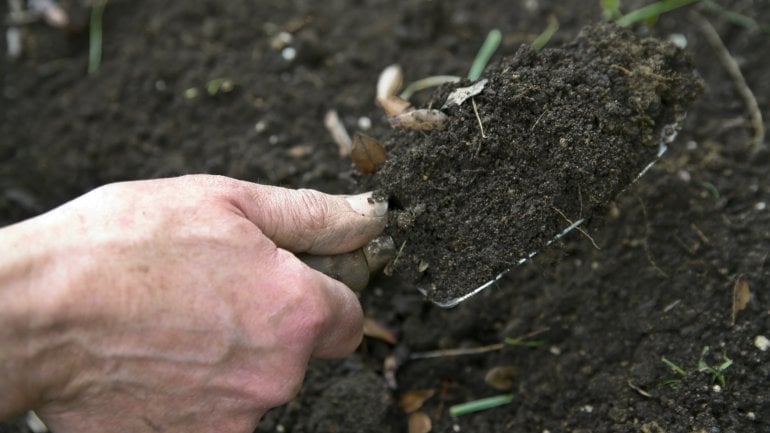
559,134
670,247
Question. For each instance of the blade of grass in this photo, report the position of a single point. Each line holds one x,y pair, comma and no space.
95,36
734,17
652,11
485,53
677,369
543,38
426,83
610,9
481,404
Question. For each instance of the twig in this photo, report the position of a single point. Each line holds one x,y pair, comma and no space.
729,63
478,119
457,352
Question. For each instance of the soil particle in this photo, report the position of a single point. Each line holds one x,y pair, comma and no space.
564,131
361,400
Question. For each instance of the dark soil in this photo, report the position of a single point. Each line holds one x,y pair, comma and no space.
564,131
671,246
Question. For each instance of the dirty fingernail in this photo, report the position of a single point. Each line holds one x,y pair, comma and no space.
367,205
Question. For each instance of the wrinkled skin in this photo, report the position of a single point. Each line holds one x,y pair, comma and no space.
174,304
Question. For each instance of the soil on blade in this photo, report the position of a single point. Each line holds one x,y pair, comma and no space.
554,136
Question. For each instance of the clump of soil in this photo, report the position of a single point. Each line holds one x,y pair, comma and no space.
559,133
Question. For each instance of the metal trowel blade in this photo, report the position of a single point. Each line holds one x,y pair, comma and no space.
667,135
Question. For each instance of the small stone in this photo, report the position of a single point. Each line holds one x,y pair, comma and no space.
761,342
289,53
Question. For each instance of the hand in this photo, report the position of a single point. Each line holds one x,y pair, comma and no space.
176,304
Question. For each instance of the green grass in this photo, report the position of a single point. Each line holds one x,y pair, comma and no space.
652,12
543,38
95,36
481,404
488,48
717,372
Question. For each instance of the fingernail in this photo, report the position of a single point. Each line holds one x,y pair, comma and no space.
367,205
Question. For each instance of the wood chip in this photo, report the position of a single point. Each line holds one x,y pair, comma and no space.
412,401
501,377
741,296
419,422
375,329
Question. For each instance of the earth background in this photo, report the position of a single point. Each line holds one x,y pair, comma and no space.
671,249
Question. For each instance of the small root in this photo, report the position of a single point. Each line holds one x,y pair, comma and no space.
732,68
580,229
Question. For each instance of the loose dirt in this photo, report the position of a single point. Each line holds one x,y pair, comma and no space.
559,134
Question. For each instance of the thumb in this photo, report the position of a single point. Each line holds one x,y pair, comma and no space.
309,221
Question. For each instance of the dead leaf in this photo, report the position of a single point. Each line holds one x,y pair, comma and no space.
367,153
501,377
460,95
375,329
741,296
413,400
419,422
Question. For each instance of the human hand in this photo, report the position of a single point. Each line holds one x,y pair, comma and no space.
178,304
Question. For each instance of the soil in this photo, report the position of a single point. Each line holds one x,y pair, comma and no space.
671,246
564,130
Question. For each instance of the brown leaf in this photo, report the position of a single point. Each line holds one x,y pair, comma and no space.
367,153
501,377
419,422
375,329
741,296
413,400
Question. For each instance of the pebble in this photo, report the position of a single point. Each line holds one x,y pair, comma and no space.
761,342
289,53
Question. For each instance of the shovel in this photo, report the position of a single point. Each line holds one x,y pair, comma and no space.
355,269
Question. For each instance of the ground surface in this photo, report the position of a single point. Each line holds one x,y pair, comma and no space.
671,247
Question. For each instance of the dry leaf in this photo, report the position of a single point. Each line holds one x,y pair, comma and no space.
501,377
741,295
461,94
413,400
421,120
375,329
419,422
367,153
